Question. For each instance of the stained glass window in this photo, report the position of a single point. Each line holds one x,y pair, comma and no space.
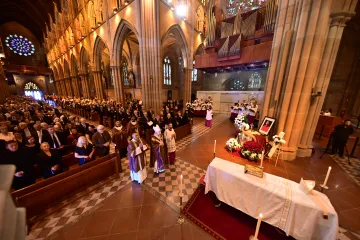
236,84
255,80
167,71
32,90
125,72
194,73
31,86
20,45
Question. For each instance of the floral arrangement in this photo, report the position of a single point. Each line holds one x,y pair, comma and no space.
252,150
232,145
278,140
241,121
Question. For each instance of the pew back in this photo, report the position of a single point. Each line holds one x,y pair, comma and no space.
38,197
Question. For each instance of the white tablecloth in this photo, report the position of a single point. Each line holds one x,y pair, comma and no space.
280,201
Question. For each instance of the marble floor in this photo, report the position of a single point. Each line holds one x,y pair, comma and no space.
146,212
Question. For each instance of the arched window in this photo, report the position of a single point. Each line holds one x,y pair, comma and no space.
236,84
32,90
255,80
194,73
203,2
125,72
167,71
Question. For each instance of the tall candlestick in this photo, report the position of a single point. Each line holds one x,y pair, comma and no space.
181,182
258,226
262,158
327,176
215,146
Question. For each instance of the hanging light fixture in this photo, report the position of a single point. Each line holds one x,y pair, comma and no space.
181,9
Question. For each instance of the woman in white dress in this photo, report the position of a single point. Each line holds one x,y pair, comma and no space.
208,118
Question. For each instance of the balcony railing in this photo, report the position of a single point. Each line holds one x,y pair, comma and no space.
25,69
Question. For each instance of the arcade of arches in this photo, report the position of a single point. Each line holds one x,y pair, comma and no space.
113,50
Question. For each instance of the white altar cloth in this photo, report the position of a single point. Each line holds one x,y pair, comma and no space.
280,201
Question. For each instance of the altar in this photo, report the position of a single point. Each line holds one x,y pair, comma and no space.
281,201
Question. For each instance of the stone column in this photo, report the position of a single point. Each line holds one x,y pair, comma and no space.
98,85
84,85
68,86
75,86
4,86
336,28
296,62
187,84
61,87
118,83
151,75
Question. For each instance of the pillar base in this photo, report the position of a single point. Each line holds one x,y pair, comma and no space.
304,151
287,154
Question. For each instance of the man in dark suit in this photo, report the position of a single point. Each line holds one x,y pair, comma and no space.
101,141
53,139
83,127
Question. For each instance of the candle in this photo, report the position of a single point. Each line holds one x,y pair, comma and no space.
215,146
327,176
258,226
181,182
262,158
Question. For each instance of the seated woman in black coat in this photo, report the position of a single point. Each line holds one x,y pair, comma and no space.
83,151
24,173
49,161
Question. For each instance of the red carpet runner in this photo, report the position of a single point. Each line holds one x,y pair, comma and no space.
226,222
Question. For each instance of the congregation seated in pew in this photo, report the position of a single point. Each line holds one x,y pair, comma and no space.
50,140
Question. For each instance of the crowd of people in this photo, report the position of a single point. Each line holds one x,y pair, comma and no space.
35,135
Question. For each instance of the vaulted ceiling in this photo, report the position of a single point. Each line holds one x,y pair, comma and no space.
32,14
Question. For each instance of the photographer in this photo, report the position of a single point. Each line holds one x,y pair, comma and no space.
340,136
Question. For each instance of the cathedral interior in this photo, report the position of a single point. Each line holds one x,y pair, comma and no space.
286,73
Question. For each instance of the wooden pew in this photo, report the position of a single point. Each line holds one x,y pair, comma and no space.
39,197
183,131
326,125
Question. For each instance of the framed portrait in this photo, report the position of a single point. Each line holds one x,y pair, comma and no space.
266,125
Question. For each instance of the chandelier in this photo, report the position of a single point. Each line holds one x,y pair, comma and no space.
240,6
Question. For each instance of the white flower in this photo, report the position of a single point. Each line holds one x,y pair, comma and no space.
253,155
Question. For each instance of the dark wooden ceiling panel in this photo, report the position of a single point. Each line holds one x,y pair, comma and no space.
32,14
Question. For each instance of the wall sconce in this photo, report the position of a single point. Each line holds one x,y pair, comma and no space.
115,10
126,3
92,29
316,94
99,24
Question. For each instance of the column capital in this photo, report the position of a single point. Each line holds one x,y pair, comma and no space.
341,18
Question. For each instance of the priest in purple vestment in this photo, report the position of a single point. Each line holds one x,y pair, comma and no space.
137,162
156,145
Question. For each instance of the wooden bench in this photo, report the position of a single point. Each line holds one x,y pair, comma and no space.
41,196
183,131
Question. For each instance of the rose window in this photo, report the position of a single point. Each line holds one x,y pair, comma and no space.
20,45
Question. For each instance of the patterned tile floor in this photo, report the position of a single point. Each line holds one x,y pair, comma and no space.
165,184
353,169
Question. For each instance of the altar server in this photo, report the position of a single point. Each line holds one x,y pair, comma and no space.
136,154
208,118
170,137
